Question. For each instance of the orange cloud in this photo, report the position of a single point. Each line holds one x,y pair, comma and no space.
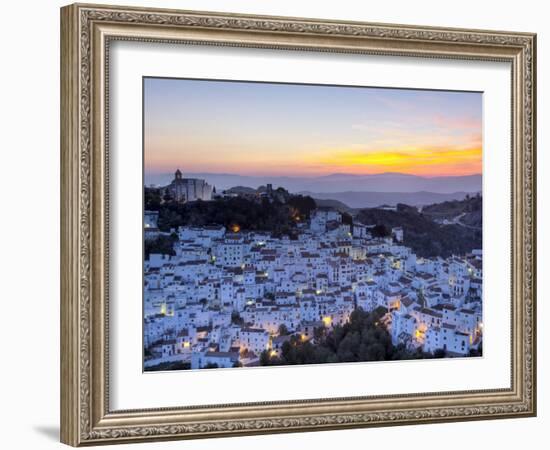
420,161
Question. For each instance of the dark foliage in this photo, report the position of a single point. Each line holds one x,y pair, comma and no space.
253,215
477,351
177,365
152,199
380,231
237,319
347,218
283,330
163,245
401,207
363,338
470,209
303,205
425,237
211,366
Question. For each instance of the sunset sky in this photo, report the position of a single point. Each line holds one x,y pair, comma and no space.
302,130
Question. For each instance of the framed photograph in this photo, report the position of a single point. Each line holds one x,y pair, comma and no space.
276,224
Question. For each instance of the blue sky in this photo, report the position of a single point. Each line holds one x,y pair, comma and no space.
290,129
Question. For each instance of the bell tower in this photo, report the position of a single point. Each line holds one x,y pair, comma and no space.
178,175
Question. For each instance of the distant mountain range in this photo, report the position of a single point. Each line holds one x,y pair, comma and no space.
392,183
355,200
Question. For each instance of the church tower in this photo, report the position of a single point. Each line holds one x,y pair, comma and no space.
178,175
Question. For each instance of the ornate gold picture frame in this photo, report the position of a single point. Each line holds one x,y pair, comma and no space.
87,32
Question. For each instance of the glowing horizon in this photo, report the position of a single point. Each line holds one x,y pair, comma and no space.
267,129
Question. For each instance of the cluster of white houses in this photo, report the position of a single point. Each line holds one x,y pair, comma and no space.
221,300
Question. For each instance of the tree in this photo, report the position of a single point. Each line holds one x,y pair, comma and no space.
348,349
363,338
318,333
476,351
424,235
421,298
303,204
167,197
401,207
236,318
151,199
163,245
264,358
177,365
263,215
283,330
347,219
380,231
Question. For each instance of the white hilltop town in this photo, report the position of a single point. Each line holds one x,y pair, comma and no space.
229,295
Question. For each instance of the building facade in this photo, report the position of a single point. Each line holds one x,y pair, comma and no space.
187,189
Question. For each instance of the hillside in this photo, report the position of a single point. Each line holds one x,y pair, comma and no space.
335,204
372,199
424,236
467,211
241,190
253,215
422,232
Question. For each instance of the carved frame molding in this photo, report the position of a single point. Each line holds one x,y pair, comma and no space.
86,32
